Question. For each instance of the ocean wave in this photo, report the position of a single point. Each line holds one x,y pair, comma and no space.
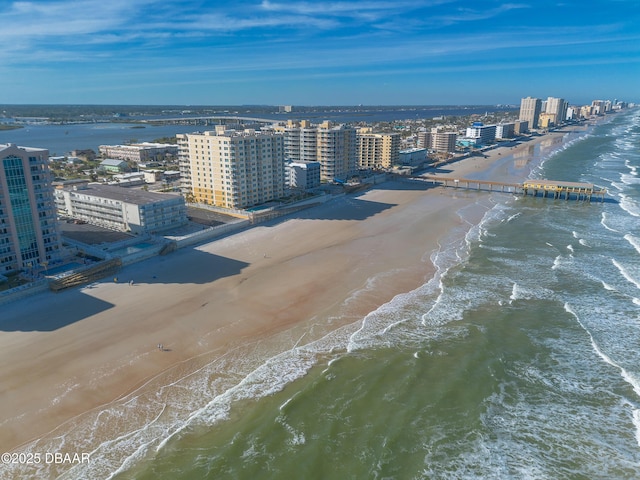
630,205
634,241
603,222
625,273
628,377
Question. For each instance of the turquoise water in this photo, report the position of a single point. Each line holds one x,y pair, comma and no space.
518,360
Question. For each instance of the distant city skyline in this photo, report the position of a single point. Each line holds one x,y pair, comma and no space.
271,52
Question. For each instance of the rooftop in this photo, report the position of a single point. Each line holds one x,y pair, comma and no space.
126,195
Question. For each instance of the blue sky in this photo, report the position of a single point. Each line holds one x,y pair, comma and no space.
378,52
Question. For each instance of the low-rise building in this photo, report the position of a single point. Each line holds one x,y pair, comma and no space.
111,165
133,179
123,209
521,127
140,152
413,157
302,175
547,120
505,130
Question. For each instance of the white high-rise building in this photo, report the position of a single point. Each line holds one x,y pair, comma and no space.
29,236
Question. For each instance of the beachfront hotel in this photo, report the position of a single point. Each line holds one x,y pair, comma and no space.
335,147
530,109
29,235
232,169
484,134
377,150
122,209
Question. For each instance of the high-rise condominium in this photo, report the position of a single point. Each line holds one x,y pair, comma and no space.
530,109
333,146
29,236
232,169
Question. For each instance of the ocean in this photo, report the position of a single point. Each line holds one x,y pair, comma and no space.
519,359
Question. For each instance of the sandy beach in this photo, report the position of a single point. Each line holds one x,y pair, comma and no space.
65,355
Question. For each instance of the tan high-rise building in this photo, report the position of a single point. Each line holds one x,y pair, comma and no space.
29,238
530,109
378,150
333,146
557,109
232,169
443,142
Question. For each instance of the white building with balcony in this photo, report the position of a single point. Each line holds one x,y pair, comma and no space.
123,209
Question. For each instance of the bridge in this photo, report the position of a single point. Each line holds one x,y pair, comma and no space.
548,188
210,120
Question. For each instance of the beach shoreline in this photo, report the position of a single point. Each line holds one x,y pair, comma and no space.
86,348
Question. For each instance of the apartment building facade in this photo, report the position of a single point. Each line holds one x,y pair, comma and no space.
378,150
335,147
505,130
122,209
232,169
443,142
302,175
28,227
530,109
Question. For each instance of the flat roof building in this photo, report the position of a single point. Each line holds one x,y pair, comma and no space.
530,109
232,169
303,175
123,209
139,152
443,142
485,134
334,146
28,226
378,150
505,130
413,157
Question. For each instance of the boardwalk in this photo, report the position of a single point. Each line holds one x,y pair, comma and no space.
548,188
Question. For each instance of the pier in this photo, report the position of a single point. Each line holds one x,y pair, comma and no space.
548,188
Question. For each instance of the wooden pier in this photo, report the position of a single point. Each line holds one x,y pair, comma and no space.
548,188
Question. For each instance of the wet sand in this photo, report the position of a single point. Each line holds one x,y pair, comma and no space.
64,355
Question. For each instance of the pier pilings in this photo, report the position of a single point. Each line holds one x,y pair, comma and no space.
545,188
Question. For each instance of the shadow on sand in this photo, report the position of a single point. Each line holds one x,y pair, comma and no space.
76,303
70,306
184,266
